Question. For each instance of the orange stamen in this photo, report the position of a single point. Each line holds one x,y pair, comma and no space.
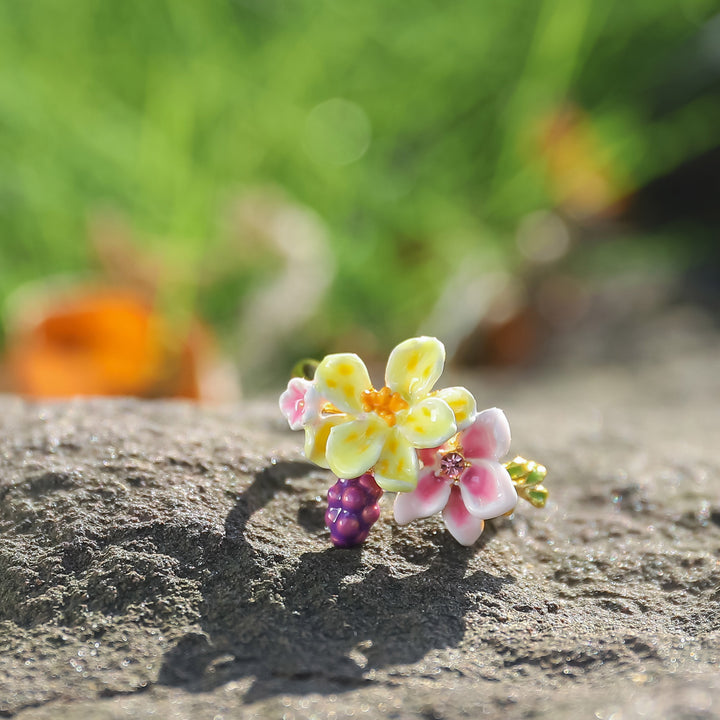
384,403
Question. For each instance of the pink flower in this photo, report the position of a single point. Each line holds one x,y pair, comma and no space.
300,403
464,479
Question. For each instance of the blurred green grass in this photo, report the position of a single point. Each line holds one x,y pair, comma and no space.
164,110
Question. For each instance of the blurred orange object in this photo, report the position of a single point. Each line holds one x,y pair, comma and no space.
89,340
582,178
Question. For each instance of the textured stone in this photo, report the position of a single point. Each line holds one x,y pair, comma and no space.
158,558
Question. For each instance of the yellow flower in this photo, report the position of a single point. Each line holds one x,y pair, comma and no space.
363,428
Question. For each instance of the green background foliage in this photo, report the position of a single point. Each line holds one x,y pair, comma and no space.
164,109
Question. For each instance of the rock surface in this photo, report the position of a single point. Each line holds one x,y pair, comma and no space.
166,560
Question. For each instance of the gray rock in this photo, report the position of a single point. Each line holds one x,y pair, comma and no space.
161,559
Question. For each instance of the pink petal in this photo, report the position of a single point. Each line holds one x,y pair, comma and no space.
463,526
487,489
488,437
292,402
312,405
429,456
428,498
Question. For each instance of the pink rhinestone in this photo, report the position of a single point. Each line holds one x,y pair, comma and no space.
452,465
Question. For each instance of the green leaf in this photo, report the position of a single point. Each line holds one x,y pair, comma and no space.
537,496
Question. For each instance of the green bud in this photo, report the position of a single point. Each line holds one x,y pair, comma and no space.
305,368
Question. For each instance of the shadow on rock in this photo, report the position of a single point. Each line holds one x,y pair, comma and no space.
326,620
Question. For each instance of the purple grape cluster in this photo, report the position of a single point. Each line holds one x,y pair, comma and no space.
352,509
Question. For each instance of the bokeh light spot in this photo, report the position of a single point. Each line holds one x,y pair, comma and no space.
543,237
337,132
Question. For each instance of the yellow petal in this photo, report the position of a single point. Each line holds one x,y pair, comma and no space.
414,366
316,438
353,447
428,423
342,378
461,402
396,470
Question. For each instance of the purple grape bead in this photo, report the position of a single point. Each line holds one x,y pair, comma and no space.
352,509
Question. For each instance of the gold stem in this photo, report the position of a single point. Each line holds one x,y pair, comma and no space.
527,476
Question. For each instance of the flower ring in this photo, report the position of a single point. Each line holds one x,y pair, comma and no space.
429,446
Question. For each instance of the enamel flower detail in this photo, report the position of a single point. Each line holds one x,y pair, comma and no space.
358,428
381,429
299,403
464,480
